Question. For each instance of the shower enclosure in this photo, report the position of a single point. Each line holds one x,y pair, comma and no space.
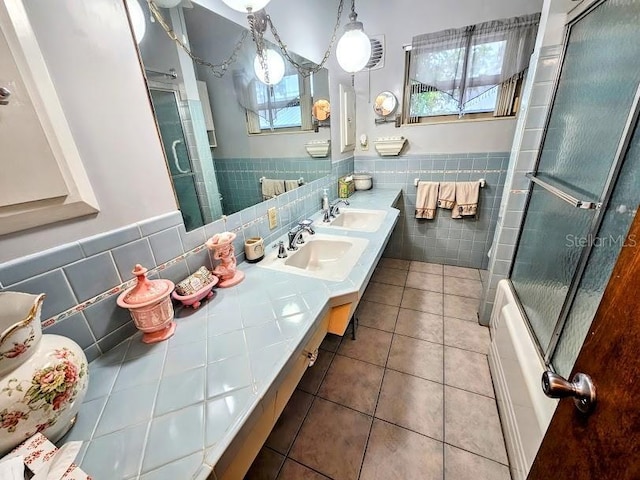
165,104
586,186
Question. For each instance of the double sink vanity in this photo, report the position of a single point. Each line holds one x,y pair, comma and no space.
201,405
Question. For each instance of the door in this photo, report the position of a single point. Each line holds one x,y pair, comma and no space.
604,444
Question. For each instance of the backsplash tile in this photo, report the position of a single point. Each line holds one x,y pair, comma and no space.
92,276
127,256
165,245
75,327
55,285
27,267
105,317
106,241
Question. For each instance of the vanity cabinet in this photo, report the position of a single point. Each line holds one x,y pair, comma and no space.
237,459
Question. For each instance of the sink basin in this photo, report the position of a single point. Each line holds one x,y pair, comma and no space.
358,219
327,257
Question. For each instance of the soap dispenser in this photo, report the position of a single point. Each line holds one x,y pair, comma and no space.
325,200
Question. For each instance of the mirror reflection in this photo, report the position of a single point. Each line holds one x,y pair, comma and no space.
226,122
385,104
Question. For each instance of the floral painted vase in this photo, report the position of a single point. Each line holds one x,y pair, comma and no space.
43,378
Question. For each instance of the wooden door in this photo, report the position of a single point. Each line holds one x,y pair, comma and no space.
604,444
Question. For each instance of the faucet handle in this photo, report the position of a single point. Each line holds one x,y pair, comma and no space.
306,223
326,217
282,252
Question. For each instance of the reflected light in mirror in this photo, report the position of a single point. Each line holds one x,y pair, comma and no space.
246,5
167,3
137,19
275,67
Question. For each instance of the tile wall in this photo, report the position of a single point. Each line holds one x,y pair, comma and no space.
461,242
522,160
239,178
82,279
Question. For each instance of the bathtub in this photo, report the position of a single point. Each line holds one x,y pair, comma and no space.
516,368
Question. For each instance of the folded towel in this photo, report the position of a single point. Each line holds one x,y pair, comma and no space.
272,188
447,195
467,194
427,200
291,184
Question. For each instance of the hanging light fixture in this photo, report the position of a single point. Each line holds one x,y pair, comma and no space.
246,5
138,21
354,47
269,67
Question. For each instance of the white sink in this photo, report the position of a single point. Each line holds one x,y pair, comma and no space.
358,219
327,257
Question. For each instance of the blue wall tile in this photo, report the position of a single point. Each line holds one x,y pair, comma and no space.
127,256
74,327
55,285
92,276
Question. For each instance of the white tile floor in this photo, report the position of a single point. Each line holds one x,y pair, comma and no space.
411,398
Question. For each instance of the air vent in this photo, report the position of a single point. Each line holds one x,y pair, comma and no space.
376,60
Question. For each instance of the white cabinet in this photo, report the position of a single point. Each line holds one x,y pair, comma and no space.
203,93
42,179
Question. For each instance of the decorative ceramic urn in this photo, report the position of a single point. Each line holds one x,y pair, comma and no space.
150,306
221,244
43,378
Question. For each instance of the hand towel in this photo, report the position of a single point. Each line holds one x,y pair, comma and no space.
272,188
467,194
427,200
291,185
447,195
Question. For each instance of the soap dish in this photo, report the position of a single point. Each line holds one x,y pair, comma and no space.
193,299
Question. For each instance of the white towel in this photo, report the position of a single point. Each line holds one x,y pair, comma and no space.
427,200
447,195
291,185
272,188
467,194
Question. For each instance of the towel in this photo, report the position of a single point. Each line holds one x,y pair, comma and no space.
272,188
427,200
447,195
466,199
291,184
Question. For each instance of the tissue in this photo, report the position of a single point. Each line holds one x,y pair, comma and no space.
12,469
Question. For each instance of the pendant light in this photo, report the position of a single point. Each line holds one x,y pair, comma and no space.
246,6
138,21
354,47
270,68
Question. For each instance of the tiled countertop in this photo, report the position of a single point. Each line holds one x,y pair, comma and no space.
169,410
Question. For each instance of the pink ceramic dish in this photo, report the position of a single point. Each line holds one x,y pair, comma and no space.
193,300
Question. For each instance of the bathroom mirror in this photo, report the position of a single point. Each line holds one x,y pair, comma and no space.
385,104
222,131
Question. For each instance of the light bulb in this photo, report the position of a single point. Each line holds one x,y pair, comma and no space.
137,20
275,67
247,5
167,3
354,48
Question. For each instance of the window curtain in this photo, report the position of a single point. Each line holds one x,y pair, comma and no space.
246,96
467,62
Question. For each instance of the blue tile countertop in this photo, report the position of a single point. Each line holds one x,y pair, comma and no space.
171,409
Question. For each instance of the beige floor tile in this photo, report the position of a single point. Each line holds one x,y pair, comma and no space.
422,325
331,342
376,315
471,422
413,403
352,383
394,453
332,440
383,293
461,307
468,371
466,335
285,430
425,281
294,471
265,466
394,263
371,346
392,276
313,376
433,268
422,300
461,465
416,357
463,287
462,272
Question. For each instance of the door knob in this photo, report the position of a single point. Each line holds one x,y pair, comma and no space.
581,388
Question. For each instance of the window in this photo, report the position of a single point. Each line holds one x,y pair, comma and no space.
279,105
476,70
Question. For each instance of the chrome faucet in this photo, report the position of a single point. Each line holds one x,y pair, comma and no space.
333,208
295,235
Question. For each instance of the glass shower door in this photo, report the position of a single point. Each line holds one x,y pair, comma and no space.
577,163
178,161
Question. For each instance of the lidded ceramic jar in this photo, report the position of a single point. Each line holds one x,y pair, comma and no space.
150,306
43,378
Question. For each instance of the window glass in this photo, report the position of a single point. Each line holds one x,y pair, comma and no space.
279,105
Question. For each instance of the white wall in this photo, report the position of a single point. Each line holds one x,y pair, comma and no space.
91,58
399,22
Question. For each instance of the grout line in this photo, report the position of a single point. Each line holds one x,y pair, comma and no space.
444,398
